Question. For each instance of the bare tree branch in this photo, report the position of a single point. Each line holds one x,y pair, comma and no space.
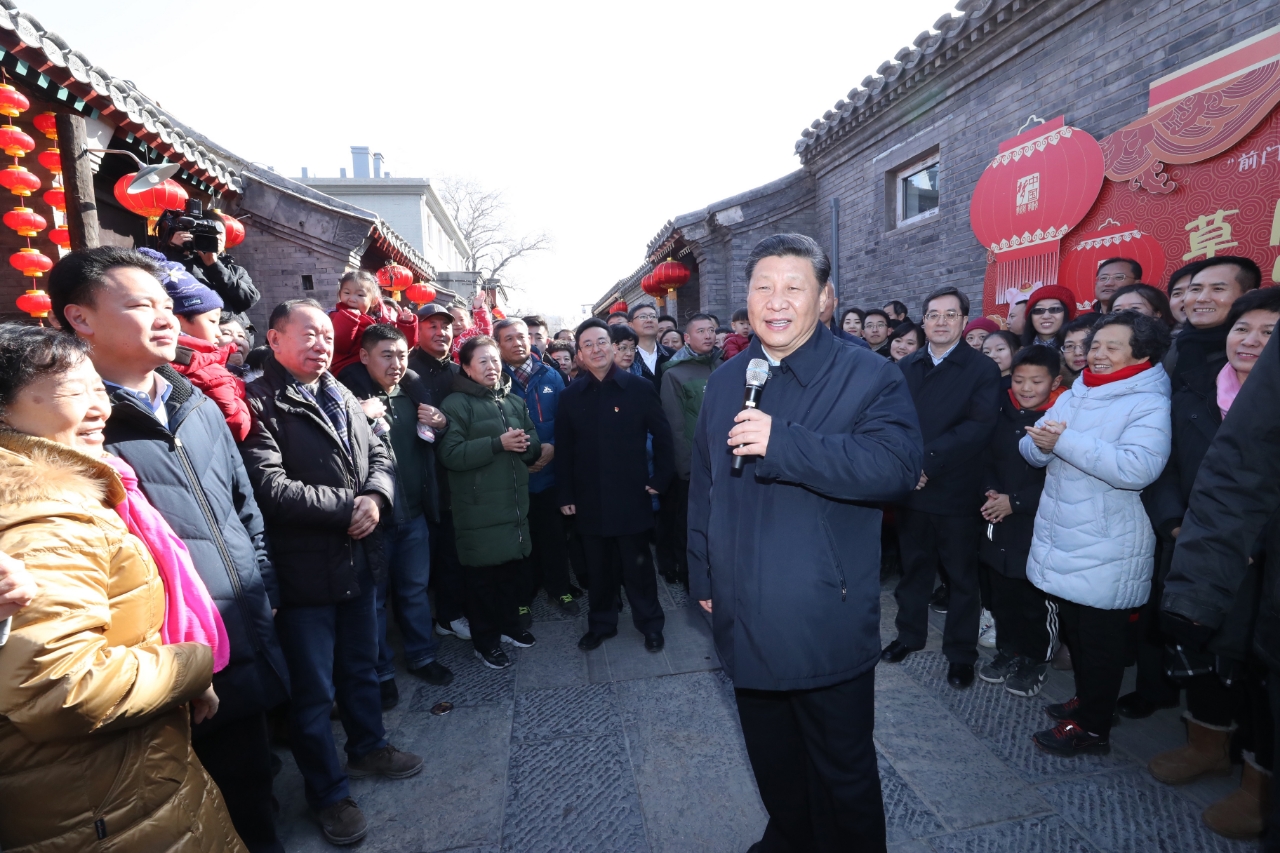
481,216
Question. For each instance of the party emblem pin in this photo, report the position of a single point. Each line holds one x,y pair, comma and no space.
615,408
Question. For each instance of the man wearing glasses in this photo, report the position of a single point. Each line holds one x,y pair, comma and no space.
1113,274
956,390
650,355
875,331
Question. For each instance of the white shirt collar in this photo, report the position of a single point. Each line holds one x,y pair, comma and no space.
937,359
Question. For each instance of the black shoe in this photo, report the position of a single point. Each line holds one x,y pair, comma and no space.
591,640
434,673
568,605
999,669
895,652
390,694
941,599
526,618
1068,739
654,642
576,592
1135,706
1067,711
960,675
342,823
520,639
494,658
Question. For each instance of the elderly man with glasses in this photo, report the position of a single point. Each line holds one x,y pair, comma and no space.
1113,274
956,390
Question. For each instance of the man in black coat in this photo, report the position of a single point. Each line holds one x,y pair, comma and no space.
782,556
1234,501
603,423
957,395
188,467
650,355
323,480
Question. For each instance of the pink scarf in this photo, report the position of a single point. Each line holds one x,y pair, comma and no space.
1228,388
189,613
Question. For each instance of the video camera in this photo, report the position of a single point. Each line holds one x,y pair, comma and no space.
206,229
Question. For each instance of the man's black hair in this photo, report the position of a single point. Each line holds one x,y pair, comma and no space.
1188,272
740,316
884,315
379,332
1040,356
1084,321
667,317
618,334
622,314
1248,276
75,279
534,320
30,353
700,316
941,292
1149,337
1262,299
281,313
1134,267
898,307
724,330
792,246
561,346
589,323
631,312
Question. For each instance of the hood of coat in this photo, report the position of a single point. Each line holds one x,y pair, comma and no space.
35,472
1154,380
464,384
686,354
194,353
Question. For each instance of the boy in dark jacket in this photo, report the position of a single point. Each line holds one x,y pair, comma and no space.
1026,620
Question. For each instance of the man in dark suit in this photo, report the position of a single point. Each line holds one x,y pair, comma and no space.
603,425
957,395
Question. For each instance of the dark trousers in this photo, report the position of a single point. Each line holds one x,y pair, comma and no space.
448,578
332,650
1153,683
1099,641
1272,843
622,560
238,758
1026,619
673,531
548,564
407,550
491,603
577,555
815,765
928,541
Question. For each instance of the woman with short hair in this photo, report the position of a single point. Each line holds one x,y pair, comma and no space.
1144,299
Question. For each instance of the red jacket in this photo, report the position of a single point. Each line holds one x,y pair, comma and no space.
734,344
482,326
349,325
205,366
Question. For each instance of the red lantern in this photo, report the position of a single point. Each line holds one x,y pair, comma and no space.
235,229
670,275
1080,261
394,277
47,123
14,142
57,199
19,181
167,195
420,293
25,221
12,102
618,307
651,287
36,303
61,236
51,159
498,313
30,262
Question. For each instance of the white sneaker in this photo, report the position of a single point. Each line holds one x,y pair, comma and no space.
459,628
987,639
985,621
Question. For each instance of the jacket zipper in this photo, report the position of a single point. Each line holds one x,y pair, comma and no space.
515,482
835,558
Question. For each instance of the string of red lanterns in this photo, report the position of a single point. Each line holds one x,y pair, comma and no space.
19,181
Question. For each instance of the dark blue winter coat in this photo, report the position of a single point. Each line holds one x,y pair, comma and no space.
192,473
541,396
789,552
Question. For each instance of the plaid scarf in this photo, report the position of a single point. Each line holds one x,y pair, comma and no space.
524,372
332,404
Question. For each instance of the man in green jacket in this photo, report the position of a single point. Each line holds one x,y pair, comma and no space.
684,382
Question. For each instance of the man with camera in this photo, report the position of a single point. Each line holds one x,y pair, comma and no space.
197,240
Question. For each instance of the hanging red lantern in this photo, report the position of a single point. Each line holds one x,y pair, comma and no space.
651,287
670,275
57,199
19,181
61,236
1082,254
30,262
498,313
619,307
167,195
36,303
47,123
14,142
51,159
394,277
25,221
12,102
420,293
235,229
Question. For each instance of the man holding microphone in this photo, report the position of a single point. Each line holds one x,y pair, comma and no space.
781,558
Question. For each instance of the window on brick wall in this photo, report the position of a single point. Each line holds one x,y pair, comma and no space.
308,283
916,195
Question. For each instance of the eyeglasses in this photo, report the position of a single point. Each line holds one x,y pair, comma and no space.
874,327
1117,278
627,348
1073,348
1041,310
645,317
938,316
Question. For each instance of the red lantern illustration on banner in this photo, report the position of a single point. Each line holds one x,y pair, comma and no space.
1112,240
420,293
1040,186
36,303
395,278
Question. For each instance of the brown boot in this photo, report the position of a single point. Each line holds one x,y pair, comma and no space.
1204,755
1242,813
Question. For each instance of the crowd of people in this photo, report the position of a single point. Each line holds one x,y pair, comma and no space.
204,537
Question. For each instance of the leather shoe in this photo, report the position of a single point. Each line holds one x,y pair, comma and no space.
1135,706
960,675
895,652
654,642
591,640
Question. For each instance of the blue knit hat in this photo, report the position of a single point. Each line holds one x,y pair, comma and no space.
188,294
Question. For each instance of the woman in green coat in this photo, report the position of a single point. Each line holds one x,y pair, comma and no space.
487,449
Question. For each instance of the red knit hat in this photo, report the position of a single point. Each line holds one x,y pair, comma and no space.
1054,291
985,324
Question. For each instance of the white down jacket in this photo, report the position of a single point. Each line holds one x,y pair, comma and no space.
1093,543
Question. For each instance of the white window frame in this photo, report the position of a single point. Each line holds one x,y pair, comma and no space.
900,178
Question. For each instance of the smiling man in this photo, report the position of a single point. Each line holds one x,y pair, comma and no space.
1207,302
779,558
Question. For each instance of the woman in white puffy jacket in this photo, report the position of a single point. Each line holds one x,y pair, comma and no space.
1093,549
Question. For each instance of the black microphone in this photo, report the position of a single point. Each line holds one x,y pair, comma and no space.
757,374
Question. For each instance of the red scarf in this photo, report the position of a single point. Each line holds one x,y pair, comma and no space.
1053,398
1093,380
